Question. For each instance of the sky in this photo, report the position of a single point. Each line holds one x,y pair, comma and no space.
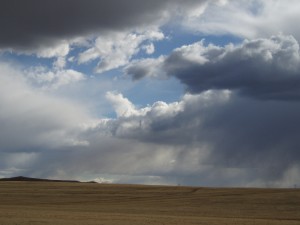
169,92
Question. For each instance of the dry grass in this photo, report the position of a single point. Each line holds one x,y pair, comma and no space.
33,203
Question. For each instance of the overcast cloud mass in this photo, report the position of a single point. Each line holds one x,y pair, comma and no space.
199,93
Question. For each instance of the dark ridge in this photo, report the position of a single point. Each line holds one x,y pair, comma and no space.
92,182
21,178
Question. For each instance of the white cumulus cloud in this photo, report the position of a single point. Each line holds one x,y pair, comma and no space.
53,79
116,49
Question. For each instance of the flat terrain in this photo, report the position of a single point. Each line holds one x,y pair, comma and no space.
32,203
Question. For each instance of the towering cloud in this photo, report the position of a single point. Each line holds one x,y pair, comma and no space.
259,68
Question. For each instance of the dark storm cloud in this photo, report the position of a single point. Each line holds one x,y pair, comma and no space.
253,134
33,22
261,68
259,136
221,132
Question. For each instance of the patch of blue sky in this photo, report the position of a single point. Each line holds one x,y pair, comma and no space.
26,61
141,93
86,68
176,38
221,40
147,91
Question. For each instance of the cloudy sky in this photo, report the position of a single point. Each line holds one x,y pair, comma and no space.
193,92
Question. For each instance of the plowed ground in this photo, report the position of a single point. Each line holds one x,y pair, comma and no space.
33,203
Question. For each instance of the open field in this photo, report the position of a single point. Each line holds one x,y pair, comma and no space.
33,203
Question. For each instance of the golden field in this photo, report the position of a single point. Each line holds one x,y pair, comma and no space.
34,203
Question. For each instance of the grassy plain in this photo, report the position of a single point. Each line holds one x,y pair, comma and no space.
33,203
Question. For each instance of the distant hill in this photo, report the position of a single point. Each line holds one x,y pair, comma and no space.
21,178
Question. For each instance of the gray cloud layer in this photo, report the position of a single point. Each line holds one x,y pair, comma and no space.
254,142
32,23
